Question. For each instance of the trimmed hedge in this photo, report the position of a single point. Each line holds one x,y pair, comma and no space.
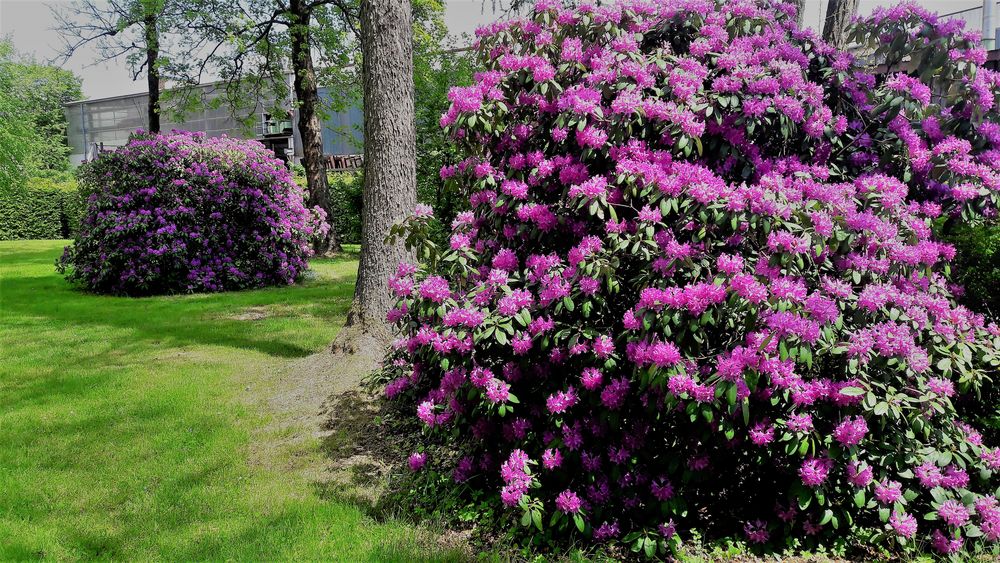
44,209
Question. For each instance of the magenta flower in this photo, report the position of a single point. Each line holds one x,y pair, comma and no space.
859,476
953,513
762,433
497,391
851,431
946,545
551,458
435,288
800,422
814,471
904,524
417,461
568,502
756,531
888,492
560,401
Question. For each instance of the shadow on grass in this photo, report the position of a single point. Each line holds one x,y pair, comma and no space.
31,257
186,319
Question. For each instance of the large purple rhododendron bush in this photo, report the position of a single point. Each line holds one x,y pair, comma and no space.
699,287
183,212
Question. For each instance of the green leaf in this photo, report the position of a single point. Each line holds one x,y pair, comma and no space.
536,517
580,524
859,498
827,516
852,391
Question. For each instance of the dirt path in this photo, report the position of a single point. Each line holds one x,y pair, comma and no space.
327,429
316,402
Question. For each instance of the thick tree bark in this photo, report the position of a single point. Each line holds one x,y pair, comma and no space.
839,14
390,185
152,72
310,127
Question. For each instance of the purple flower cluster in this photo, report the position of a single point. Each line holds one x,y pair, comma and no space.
182,212
691,285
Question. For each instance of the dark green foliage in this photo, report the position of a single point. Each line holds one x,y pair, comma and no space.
34,95
345,195
48,208
435,71
977,269
977,266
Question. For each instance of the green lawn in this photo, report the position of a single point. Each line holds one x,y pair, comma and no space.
132,428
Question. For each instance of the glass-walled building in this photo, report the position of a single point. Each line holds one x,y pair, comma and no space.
106,123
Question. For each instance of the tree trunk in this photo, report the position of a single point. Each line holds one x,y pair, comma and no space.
390,185
152,72
310,127
839,14
800,8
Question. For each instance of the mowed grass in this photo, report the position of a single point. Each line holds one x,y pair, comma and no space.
131,428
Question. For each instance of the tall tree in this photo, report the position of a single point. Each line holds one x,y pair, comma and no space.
17,137
122,28
40,91
389,191
252,45
839,14
310,125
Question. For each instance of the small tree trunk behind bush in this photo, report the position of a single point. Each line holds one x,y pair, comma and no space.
800,8
390,185
152,72
839,14
310,128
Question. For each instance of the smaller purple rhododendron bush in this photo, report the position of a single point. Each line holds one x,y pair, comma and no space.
182,212
698,287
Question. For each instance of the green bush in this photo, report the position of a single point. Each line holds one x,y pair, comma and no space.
345,193
47,208
977,266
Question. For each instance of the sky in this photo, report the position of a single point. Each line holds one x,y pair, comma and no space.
28,23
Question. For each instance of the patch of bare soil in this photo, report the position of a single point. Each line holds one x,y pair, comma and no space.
330,429
252,314
301,397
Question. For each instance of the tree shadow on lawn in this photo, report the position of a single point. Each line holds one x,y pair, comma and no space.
29,257
189,319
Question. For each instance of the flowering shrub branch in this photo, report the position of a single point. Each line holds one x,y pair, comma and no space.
182,212
699,277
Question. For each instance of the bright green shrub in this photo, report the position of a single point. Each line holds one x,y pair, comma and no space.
977,266
345,194
47,208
